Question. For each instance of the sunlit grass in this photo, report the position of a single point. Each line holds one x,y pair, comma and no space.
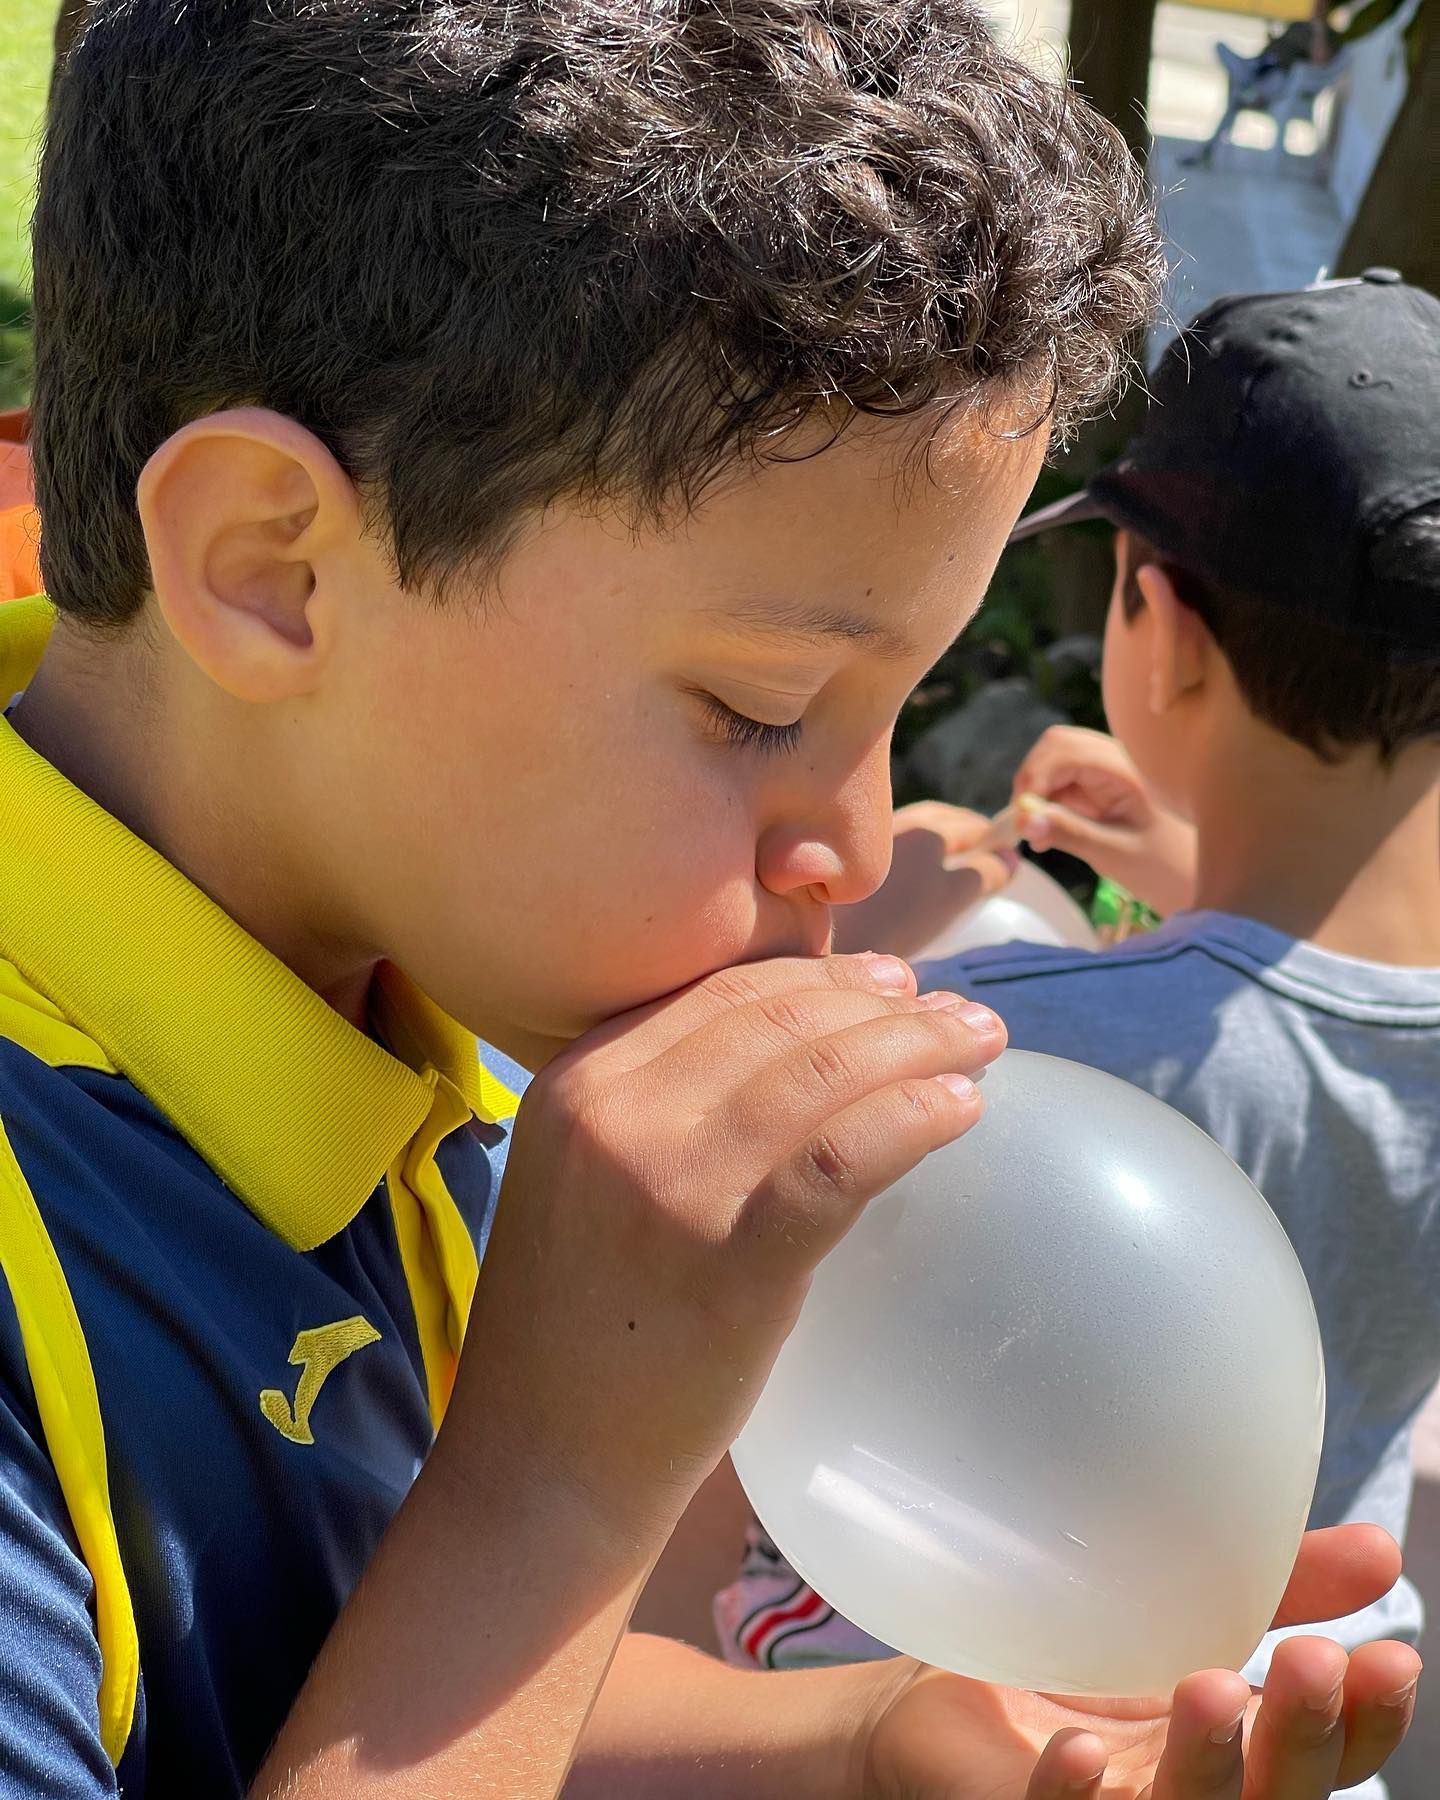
25,44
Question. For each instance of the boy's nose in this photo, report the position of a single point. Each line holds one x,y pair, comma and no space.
842,852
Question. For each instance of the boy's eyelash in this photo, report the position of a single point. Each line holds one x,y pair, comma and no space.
752,734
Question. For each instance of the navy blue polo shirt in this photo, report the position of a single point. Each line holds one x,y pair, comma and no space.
239,1240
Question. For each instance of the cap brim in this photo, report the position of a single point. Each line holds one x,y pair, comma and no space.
1074,509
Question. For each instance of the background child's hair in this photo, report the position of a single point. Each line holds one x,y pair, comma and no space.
1330,689
497,251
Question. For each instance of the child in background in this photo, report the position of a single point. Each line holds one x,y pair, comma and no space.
1272,674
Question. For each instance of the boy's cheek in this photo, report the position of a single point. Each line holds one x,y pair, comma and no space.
575,979
1122,690
615,903
674,952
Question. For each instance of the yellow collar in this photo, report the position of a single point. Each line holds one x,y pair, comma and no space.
298,1112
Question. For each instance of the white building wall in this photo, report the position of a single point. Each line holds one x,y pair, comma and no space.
1371,98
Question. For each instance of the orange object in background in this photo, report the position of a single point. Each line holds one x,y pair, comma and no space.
19,521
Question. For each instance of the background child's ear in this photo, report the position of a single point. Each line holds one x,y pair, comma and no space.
1180,643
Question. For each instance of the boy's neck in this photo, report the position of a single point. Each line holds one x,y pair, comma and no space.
1345,856
95,717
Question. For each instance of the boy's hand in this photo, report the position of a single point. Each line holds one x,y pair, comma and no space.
673,1180
923,892
1099,808
672,1721
1324,1721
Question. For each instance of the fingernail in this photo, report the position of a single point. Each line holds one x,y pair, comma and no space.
1402,1696
969,1012
1227,1734
888,971
961,1086
1331,1702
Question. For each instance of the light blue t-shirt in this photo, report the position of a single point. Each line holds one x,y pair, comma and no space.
1320,1075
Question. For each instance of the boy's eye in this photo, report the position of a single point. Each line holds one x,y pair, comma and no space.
752,734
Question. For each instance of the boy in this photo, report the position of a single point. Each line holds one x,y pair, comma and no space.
1272,673
1283,716
502,468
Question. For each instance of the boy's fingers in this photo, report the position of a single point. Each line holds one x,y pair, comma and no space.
1062,754
811,1202
1071,1767
1039,778
1204,1748
974,877
807,1095
1338,1571
774,1049
1298,1737
1051,826
635,1038
1379,1705
957,827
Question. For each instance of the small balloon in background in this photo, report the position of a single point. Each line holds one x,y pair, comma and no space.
1051,1414
1032,908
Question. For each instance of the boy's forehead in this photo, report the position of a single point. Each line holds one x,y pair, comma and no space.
846,552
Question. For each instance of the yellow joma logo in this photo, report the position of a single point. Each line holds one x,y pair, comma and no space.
317,1353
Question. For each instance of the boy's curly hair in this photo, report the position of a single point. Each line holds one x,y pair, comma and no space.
496,251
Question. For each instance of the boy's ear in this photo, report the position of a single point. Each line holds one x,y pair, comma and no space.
1179,641
241,510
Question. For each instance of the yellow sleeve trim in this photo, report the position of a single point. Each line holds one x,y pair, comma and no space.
64,1383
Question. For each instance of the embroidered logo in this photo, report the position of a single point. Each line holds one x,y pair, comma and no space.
317,1353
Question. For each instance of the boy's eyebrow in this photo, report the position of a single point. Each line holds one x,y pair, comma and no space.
769,618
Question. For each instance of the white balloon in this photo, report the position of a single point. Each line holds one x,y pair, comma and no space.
1031,907
1051,1414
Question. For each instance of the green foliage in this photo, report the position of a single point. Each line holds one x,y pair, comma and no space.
1010,635
14,346
25,51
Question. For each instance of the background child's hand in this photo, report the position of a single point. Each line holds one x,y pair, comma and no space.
921,894
1325,1720
1099,808
674,1178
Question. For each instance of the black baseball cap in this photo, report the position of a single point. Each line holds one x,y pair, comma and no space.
1286,434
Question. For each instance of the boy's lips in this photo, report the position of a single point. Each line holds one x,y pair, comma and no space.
816,943
815,938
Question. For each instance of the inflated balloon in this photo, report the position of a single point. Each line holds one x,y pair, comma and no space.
1031,907
1051,1414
